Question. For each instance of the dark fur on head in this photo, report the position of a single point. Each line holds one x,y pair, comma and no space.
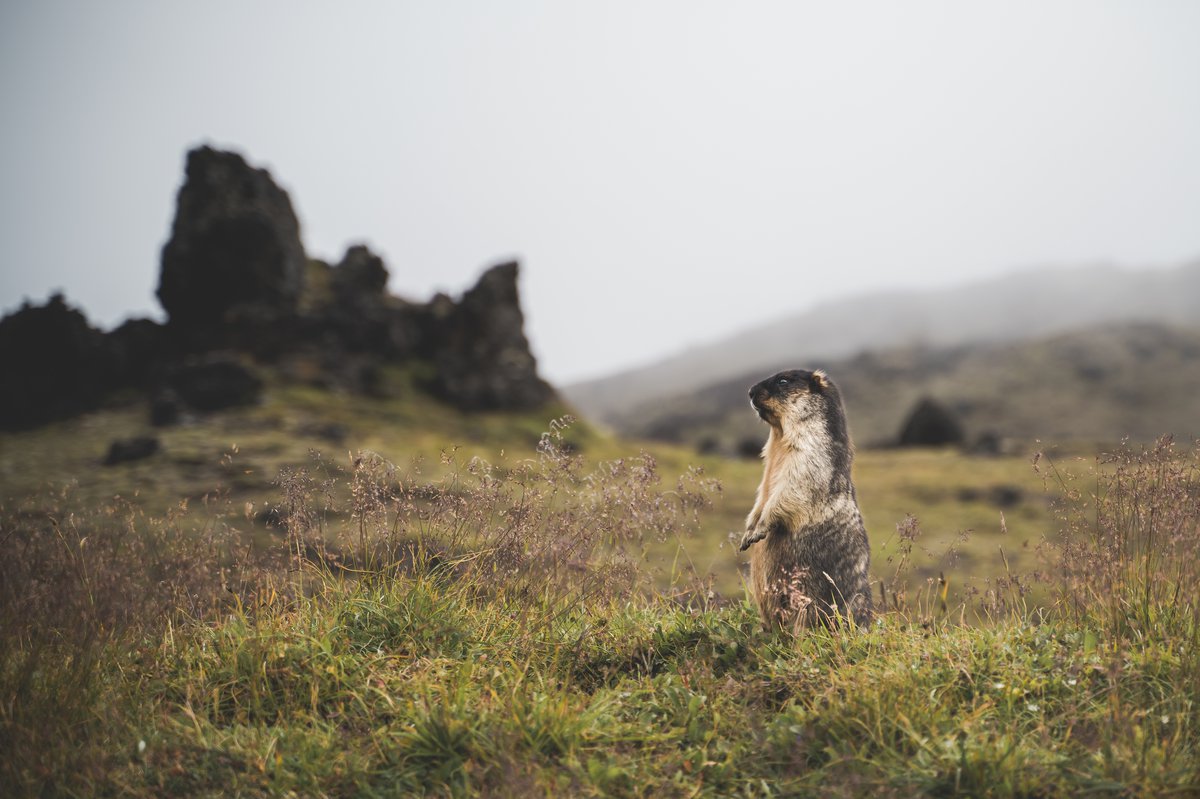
790,399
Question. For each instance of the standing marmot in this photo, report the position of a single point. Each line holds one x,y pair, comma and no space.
812,560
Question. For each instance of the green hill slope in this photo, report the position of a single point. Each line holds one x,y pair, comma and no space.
1017,307
1100,385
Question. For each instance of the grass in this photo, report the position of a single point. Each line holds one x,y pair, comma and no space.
543,622
413,688
238,455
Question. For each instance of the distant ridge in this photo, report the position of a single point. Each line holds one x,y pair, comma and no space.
1099,384
1024,305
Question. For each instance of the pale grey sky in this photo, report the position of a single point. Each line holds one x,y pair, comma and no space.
668,172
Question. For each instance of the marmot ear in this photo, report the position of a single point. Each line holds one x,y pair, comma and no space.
819,381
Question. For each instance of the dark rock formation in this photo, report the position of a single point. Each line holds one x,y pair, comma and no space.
750,448
53,364
931,424
239,290
482,359
360,279
131,449
359,316
165,409
215,382
137,349
235,243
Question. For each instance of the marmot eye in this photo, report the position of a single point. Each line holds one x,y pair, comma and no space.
783,381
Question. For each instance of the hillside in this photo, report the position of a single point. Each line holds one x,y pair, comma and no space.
1016,307
1105,383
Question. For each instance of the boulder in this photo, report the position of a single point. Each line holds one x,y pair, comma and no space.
481,356
138,348
214,382
53,364
750,448
360,279
166,409
235,243
124,450
931,424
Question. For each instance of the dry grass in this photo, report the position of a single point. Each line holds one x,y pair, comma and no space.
1128,560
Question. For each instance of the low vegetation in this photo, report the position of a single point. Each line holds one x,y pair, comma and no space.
537,624
970,508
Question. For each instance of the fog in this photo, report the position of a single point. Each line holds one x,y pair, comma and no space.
668,173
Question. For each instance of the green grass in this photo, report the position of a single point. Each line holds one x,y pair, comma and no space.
236,458
416,686
544,622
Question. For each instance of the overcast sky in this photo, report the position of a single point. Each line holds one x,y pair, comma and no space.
667,172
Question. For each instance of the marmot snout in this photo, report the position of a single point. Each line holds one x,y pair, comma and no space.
772,397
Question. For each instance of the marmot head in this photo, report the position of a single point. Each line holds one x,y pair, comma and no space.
792,397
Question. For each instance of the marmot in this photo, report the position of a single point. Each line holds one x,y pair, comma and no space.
811,564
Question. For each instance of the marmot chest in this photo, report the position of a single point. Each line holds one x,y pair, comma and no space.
776,456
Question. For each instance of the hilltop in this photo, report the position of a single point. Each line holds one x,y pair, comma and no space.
1023,306
1136,380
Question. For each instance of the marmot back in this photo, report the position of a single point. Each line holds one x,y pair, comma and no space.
812,555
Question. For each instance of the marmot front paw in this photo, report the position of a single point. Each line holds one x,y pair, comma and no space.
752,536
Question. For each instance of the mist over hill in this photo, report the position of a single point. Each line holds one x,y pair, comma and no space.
1021,306
1138,380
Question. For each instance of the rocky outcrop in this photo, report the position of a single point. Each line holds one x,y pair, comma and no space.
215,382
238,289
53,364
931,424
482,357
137,350
360,280
235,244
125,450
357,314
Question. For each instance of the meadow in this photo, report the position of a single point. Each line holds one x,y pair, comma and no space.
968,508
338,596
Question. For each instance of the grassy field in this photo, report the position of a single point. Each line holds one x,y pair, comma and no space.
236,457
445,605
